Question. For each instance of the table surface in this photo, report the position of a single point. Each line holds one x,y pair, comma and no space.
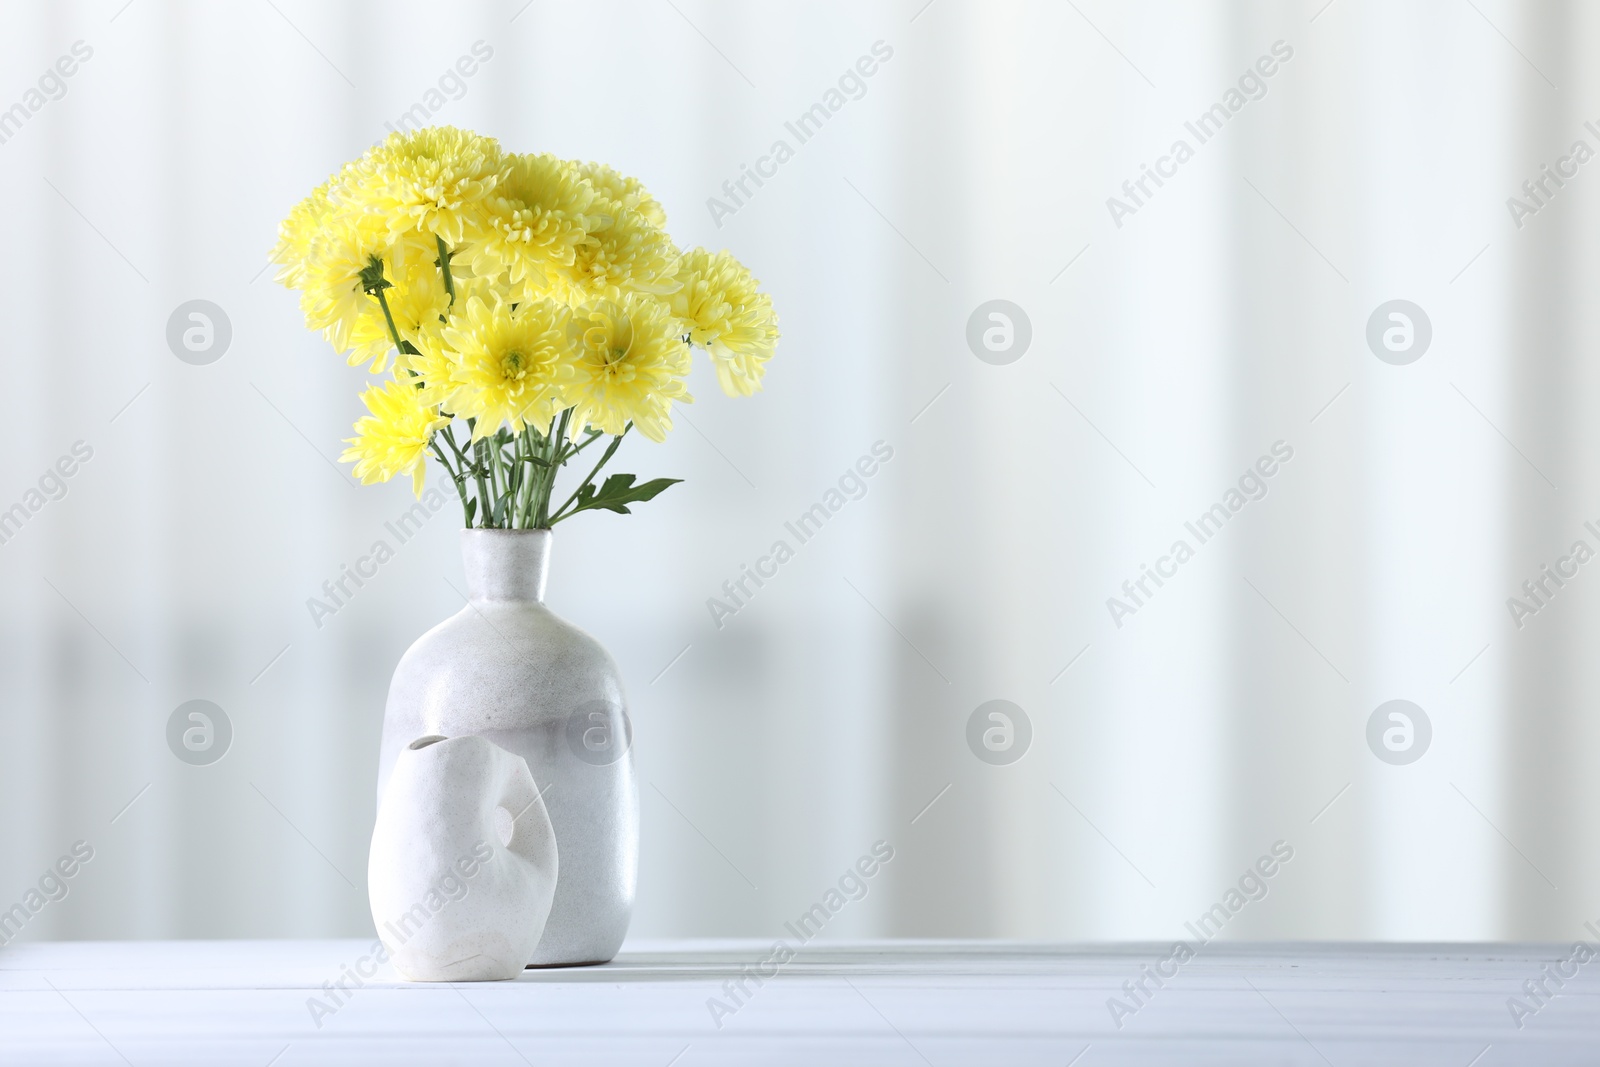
881,1003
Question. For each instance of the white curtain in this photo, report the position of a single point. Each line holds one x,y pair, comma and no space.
1176,339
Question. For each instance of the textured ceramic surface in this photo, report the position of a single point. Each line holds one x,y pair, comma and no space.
509,669
464,863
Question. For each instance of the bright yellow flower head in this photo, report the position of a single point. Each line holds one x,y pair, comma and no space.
623,253
332,293
418,302
724,312
539,213
431,182
394,438
296,234
307,222
631,362
513,290
629,192
431,370
509,364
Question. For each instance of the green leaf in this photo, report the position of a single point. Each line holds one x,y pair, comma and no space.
472,510
618,492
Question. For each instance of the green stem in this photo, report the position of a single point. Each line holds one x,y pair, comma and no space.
444,460
444,268
556,458
496,475
562,512
594,435
558,440
450,439
383,302
535,477
541,478
519,478
522,479
479,470
456,474
460,482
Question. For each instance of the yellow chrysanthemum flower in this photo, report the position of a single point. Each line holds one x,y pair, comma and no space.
724,312
623,253
394,438
431,370
631,362
418,301
629,192
296,235
333,294
539,213
511,289
432,181
508,364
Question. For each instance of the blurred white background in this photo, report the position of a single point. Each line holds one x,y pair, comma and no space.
1227,313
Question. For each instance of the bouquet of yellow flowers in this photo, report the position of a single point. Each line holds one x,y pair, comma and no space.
537,300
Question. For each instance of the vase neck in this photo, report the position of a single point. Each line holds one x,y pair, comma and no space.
506,564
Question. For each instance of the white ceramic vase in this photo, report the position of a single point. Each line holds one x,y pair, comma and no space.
464,862
508,669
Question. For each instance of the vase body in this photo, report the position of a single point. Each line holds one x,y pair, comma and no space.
508,669
464,863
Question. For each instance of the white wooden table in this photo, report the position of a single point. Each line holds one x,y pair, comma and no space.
878,1003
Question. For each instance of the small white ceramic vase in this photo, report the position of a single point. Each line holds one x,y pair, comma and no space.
507,668
463,867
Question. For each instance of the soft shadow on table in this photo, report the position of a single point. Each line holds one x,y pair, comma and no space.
965,959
